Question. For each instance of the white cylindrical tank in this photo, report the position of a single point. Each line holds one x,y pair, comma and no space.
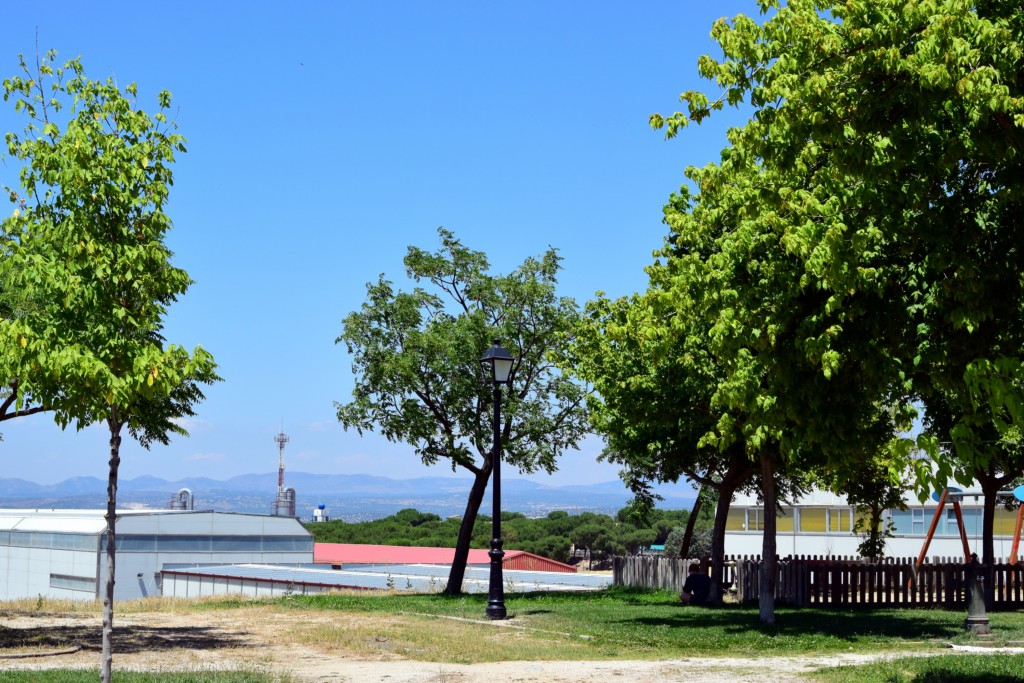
320,514
183,500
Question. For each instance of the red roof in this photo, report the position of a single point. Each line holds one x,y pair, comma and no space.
354,553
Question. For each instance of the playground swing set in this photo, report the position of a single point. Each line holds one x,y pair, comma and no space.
954,496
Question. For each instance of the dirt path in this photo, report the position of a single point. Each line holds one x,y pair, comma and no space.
230,640
781,669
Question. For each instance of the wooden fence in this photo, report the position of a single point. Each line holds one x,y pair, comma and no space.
653,571
814,581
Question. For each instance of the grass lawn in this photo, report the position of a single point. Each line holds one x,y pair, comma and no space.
617,623
639,624
994,668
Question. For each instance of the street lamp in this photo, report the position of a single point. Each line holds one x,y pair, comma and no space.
500,362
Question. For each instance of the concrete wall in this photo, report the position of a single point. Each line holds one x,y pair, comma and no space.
30,572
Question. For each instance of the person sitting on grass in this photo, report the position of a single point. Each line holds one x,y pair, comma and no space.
697,587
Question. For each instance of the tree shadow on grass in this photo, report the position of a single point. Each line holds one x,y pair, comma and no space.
841,625
624,594
961,668
941,675
127,639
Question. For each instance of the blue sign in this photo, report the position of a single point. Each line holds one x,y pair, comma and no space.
951,489
1018,493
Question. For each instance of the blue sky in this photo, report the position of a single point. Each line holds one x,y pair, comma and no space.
326,137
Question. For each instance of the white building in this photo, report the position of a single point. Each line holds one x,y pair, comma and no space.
62,553
822,523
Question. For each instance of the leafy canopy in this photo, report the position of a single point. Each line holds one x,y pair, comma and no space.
416,359
84,246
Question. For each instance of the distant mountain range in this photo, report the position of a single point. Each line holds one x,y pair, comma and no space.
352,497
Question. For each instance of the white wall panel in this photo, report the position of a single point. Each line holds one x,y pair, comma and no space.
25,572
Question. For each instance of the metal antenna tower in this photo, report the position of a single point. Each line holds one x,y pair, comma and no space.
281,440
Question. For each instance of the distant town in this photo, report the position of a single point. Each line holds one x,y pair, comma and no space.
351,498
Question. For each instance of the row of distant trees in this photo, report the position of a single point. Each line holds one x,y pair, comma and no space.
553,536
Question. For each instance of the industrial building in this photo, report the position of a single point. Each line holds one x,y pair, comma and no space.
266,581
62,553
356,566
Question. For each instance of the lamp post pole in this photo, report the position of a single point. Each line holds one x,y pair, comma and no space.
496,591
500,362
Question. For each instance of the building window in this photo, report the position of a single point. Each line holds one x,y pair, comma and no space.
737,519
864,519
901,521
86,584
755,520
784,521
135,543
281,544
174,543
52,541
812,520
1004,521
972,521
230,544
952,527
839,520
917,527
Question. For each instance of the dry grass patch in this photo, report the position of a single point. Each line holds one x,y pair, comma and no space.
41,605
433,638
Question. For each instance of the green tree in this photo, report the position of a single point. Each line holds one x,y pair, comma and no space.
14,402
909,190
419,380
653,400
799,387
674,542
11,395
589,536
86,246
554,547
700,543
634,540
863,234
415,518
874,485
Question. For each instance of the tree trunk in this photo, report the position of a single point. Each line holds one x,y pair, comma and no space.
107,652
988,546
990,485
725,491
876,533
684,550
476,496
768,568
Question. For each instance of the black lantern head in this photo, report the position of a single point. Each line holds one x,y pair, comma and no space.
500,361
